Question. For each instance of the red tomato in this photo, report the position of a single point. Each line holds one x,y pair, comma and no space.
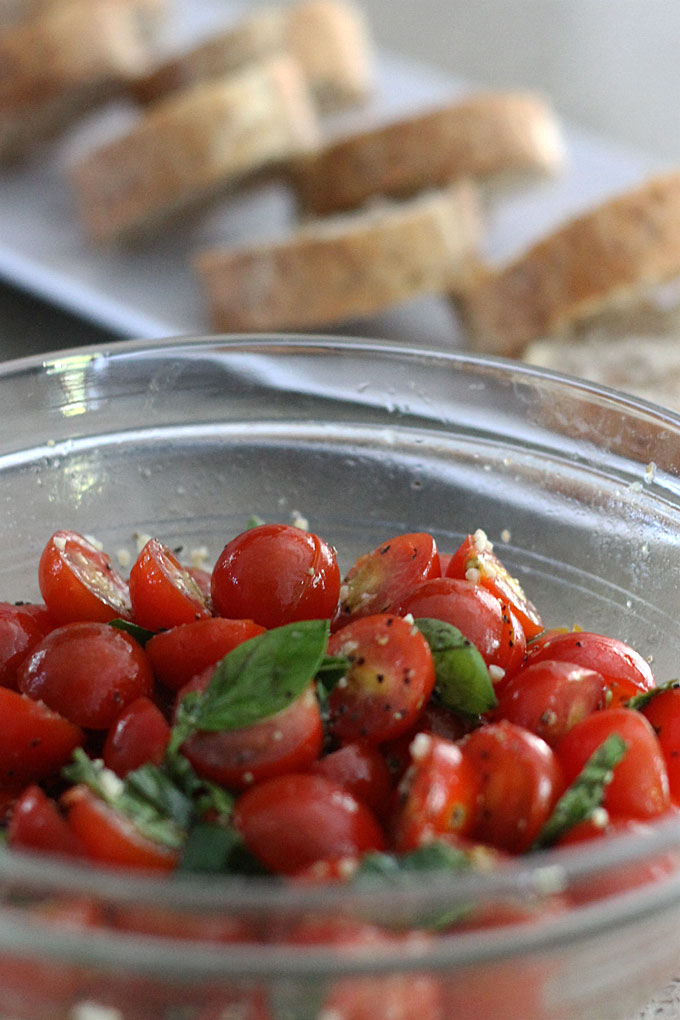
381,579
435,719
520,781
475,560
162,592
549,697
109,837
477,614
78,581
293,820
88,672
288,741
362,770
20,632
639,788
624,669
389,681
138,735
207,927
276,574
36,741
37,824
663,712
438,794
179,654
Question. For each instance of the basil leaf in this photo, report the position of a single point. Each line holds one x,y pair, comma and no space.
140,634
400,868
640,701
462,677
331,670
585,793
257,679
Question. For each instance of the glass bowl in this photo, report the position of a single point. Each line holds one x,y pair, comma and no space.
187,439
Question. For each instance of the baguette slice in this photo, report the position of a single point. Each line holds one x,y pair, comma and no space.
607,258
329,38
193,147
64,61
480,136
344,267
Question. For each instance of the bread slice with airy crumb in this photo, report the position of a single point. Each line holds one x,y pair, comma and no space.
606,258
348,266
481,136
329,39
64,61
193,147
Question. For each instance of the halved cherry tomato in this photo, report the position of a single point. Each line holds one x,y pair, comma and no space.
550,697
20,632
181,653
390,678
477,614
37,824
138,735
475,560
437,795
639,787
88,672
109,837
520,781
362,770
624,669
663,712
36,741
435,719
381,579
288,741
163,593
276,574
293,820
79,582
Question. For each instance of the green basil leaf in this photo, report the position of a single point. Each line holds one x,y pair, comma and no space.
331,670
640,701
140,634
257,679
585,793
462,677
400,868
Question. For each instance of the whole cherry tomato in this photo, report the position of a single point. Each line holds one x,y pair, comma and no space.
20,632
389,680
381,579
276,574
79,582
37,823
138,735
362,770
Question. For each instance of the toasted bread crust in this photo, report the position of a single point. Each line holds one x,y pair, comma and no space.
344,267
608,256
194,146
329,39
478,136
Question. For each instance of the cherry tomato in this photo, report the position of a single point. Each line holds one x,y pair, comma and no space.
88,672
475,560
109,837
79,582
435,719
20,632
36,741
520,781
162,592
37,824
389,680
208,927
438,794
276,574
624,669
663,712
477,614
639,788
381,579
181,653
138,735
362,770
550,697
288,741
293,820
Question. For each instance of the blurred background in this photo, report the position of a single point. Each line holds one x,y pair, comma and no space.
610,65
